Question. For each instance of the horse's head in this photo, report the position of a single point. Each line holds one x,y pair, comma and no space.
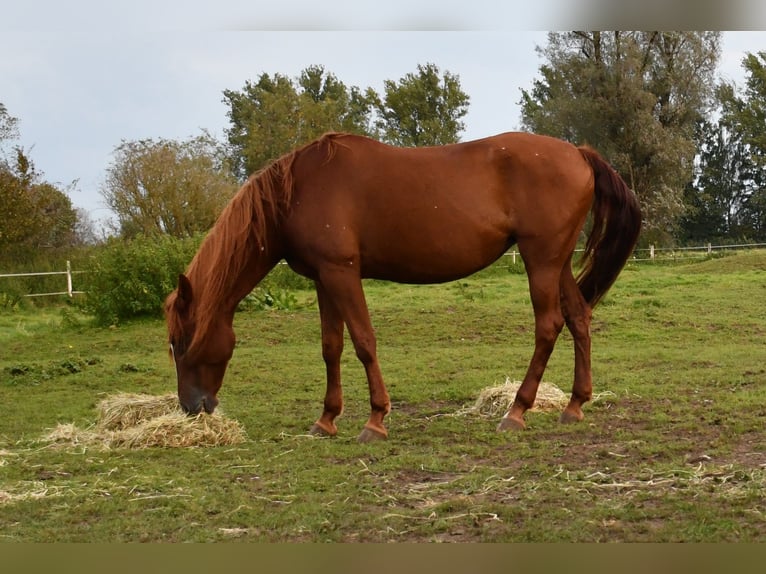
200,358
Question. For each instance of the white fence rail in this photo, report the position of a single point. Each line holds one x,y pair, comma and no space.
651,253
69,290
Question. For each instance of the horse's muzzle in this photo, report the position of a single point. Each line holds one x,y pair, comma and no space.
206,403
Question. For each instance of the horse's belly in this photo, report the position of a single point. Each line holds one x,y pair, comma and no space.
420,260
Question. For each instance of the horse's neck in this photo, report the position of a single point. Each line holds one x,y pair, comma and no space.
253,273
236,287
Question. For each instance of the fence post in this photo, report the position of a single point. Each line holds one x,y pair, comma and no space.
709,248
651,252
513,256
68,278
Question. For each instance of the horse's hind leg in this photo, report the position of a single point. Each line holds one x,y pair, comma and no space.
544,290
577,314
332,348
344,288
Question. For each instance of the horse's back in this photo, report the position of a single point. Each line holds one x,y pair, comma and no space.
433,213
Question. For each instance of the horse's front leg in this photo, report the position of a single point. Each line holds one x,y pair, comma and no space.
332,348
344,288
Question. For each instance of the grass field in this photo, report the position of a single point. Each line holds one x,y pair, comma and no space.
673,447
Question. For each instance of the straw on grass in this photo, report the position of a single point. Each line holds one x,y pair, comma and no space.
143,421
125,410
495,401
179,430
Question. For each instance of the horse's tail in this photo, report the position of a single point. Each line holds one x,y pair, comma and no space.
616,226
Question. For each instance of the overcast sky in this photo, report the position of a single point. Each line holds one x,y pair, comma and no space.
83,75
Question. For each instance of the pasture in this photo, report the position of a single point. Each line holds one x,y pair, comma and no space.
673,446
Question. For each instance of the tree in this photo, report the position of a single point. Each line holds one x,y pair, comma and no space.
16,213
33,213
85,228
274,115
744,114
635,96
422,109
168,186
8,126
716,198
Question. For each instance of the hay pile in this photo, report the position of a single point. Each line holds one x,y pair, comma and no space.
142,421
495,401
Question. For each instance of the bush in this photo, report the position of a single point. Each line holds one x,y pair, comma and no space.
10,300
284,278
128,279
260,299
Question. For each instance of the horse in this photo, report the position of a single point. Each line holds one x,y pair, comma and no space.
345,207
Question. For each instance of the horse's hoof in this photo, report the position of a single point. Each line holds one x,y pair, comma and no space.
568,417
508,423
320,430
371,435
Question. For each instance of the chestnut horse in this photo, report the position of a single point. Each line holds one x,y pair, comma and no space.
346,207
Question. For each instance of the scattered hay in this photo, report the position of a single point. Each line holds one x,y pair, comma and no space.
36,491
144,421
69,434
495,401
3,456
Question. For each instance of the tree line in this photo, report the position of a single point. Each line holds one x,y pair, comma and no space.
693,148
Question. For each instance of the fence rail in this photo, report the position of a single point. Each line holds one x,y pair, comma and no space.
69,290
652,254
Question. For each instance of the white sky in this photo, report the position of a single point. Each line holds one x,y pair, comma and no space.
83,75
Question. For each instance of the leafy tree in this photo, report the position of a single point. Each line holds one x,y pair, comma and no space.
635,96
8,126
167,186
15,205
745,115
33,213
422,109
716,198
275,114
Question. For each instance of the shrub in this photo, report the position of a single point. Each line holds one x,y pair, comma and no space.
127,279
284,278
260,299
10,300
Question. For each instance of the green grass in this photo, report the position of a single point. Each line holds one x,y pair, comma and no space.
672,448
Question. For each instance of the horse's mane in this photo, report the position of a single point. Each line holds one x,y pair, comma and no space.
240,234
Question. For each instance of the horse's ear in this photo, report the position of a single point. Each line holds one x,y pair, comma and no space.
184,295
